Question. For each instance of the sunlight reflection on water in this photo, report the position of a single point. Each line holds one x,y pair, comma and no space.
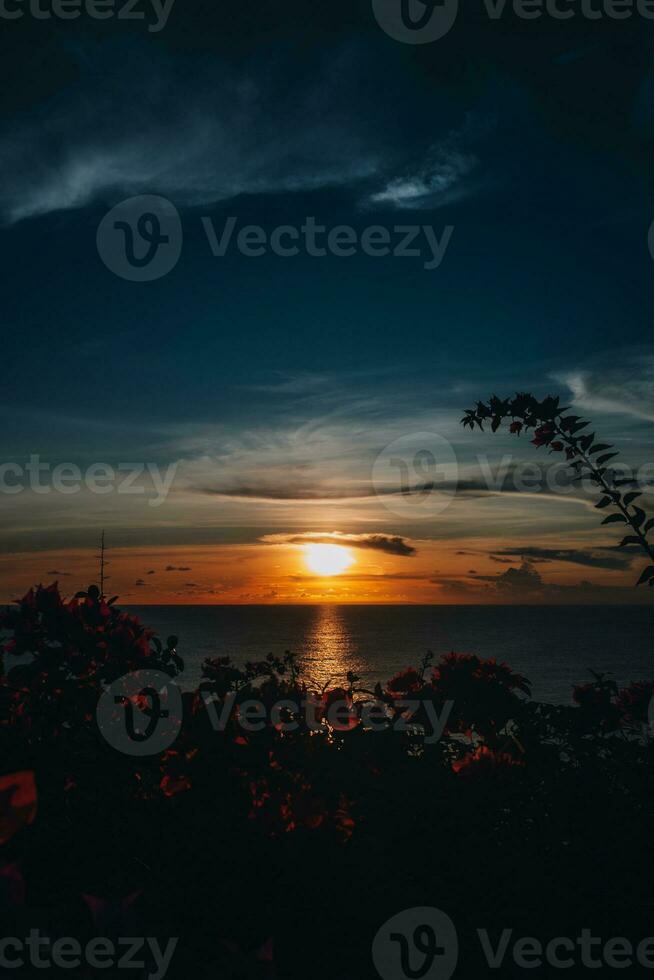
329,652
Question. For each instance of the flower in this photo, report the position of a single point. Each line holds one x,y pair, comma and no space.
486,761
18,803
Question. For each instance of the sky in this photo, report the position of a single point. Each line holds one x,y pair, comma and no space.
252,406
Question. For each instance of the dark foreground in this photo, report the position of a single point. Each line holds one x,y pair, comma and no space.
276,839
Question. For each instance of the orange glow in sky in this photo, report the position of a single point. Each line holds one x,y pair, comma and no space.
327,559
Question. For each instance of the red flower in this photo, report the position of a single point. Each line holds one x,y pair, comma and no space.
338,709
18,803
543,435
485,761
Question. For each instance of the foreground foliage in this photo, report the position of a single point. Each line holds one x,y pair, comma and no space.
553,428
280,853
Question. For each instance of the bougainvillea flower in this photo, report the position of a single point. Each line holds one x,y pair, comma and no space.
18,803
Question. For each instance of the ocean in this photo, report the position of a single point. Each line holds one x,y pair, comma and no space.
553,646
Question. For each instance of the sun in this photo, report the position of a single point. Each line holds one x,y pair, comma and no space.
327,559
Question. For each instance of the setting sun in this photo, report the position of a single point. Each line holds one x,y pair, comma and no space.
327,559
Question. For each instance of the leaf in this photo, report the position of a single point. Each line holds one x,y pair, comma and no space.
630,539
639,517
604,502
600,447
630,497
615,519
604,459
649,525
646,575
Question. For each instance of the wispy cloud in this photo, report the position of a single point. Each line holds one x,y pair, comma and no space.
441,178
199,134
617,382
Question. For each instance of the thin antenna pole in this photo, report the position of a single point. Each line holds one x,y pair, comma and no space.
103,563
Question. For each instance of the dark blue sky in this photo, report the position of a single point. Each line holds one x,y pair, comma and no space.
532,140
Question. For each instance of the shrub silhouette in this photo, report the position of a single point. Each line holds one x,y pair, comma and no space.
281,852
588,456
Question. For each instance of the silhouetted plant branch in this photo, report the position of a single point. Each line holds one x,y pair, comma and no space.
560,433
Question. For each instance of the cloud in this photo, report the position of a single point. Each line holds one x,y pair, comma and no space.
593,559
439,180
199,133
519,581
140,582
60,574
522,579
617,382
177,568
390,544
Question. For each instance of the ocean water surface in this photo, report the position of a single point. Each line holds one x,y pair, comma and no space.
554,646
